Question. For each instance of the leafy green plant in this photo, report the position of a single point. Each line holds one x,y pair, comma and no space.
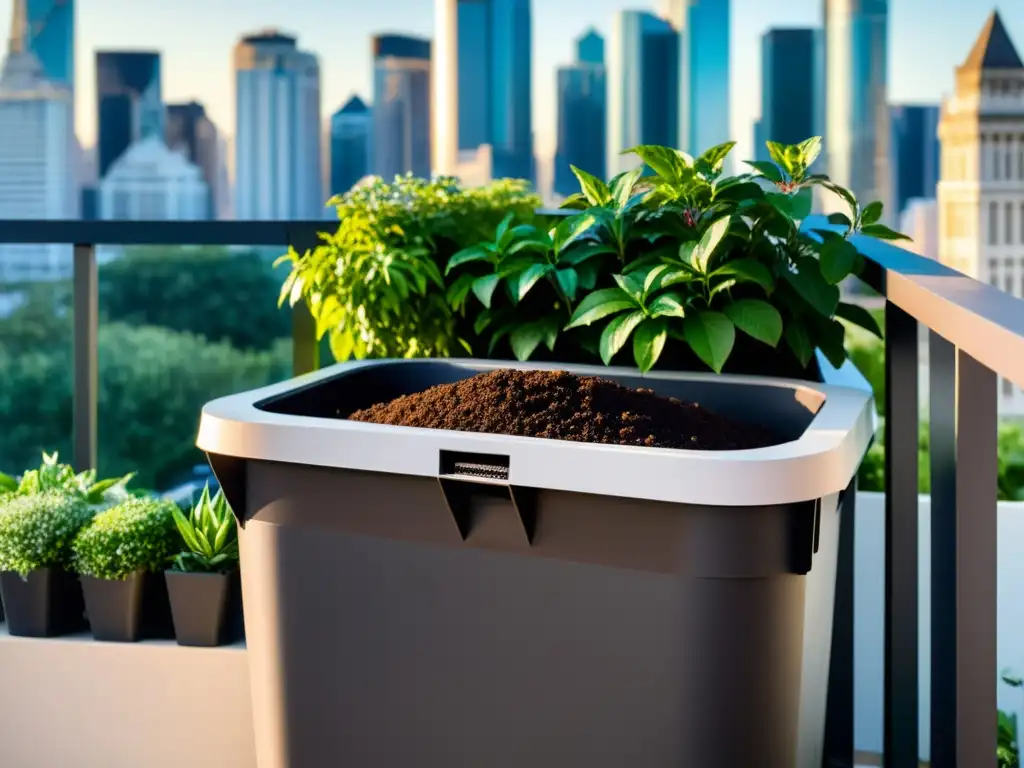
209,533
137,534
684,256
36,530
375,286
54,476
1007,745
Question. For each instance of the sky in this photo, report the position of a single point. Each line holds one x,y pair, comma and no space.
927,39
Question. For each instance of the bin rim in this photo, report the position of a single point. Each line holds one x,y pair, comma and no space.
819,463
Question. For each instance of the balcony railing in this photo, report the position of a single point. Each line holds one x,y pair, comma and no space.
976,334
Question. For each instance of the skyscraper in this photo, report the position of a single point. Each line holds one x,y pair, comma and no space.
351,147
51,37
981,190
482,88
703,27
401,106
643,93
37,163
190,131
582,114
857,112
915,150
791,86
277,129
129,101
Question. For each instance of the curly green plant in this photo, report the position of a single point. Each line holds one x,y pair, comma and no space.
135,535
210,534
375,286
52,475
36,531
683,256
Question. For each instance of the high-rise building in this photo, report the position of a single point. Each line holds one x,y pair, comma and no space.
401,106
981,187
703,27
915,153
482,86
760,151
351,146
37,156
277,129
582,115
791,85
856,106
919,221
150,182
129,102
189,131
643,93
51,37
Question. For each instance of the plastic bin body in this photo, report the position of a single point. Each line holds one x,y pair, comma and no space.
583,605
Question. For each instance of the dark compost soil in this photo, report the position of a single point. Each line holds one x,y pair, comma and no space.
563,406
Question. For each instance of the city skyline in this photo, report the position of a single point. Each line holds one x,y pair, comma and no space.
199,67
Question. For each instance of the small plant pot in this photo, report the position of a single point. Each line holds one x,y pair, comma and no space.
207,607
47,603
127,610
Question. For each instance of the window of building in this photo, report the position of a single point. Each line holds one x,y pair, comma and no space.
1009,158
1020,156
993,223
1007,388
1008,224
994,154
993,272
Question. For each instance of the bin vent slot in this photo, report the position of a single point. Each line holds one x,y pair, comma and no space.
482,465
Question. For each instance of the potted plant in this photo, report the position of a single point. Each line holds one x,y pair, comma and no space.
204,584
41,597
52,475
120,556
525,539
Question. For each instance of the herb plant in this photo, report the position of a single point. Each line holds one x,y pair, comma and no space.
682,256
210,535
137,534
375,286
36,530
52,475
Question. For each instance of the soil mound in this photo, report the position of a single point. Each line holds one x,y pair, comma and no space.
563,406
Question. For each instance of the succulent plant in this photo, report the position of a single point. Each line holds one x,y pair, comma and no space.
210,535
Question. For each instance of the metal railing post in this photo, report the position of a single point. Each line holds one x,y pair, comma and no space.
900,737
85,384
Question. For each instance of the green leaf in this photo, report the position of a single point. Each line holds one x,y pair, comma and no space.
748,271
711,160
622,186
882,232
709,241
668,163
600,304
808,281
568,282
7,483
576,201
779,156
830,337
809,150
595,190
458,291
840,219
529,277
798,340
648,343
872,212
588,272
800,203
859,316
632,285
837,257
525,338
580,252
572,229
725,285
769,170
677,276
651,278
616,334
711,336
756,318
483,288
503,226
473,253
666,305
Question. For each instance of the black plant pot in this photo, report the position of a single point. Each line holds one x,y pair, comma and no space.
46,604
127,610
207,607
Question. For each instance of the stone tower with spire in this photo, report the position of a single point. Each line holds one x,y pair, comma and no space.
981,185
37,156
